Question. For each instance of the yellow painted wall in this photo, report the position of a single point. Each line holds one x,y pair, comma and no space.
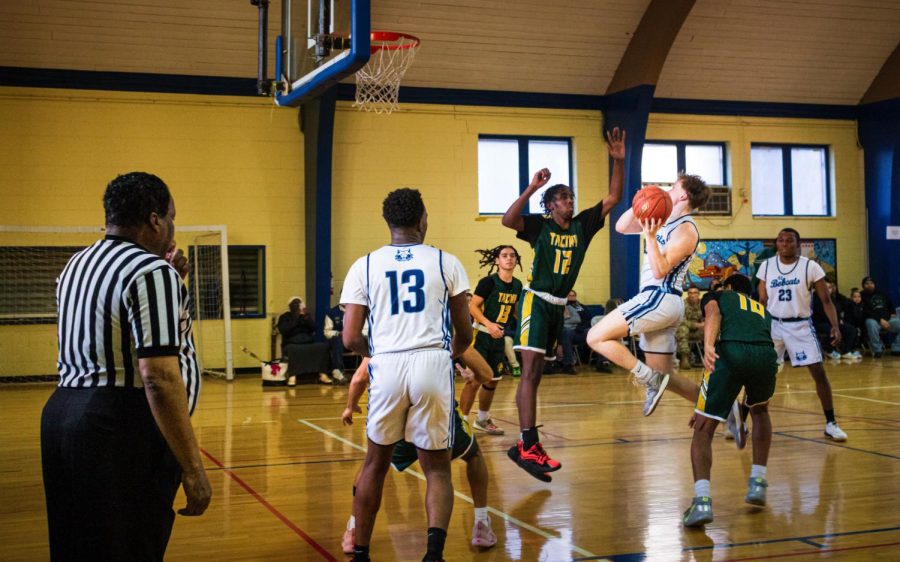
848,225
232,161
435,149
239,162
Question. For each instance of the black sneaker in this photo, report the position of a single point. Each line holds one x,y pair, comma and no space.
569,370
552,368
534,461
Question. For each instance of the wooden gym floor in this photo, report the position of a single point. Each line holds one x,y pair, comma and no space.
282,465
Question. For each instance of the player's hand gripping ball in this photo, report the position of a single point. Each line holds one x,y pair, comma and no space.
651,202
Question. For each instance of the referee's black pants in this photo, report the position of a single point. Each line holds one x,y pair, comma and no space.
109,476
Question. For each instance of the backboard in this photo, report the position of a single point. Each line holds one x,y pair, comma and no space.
321,42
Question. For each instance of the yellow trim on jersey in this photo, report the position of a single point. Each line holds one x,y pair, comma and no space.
526,318
704,386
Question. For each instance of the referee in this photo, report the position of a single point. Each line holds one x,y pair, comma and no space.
116,436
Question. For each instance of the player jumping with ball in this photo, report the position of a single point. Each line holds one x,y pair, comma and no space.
657,309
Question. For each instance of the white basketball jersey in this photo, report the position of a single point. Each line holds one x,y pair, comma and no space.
407,289
788,286
674,280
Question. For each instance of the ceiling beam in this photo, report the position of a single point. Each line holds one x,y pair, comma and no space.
886,85
646,54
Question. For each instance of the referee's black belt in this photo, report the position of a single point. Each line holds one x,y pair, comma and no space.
675,292
795,319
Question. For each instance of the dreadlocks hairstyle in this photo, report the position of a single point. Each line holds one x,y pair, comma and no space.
403,208
489,257
550,194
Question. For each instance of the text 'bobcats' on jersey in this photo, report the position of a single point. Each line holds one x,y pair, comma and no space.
673,282
788,286
407,289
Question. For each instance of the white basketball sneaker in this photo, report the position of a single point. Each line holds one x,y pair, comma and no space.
835,433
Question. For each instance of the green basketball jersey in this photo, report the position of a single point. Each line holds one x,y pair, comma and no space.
559,253
500,298
743,319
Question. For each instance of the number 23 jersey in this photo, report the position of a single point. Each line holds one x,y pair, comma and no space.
787,286
407,289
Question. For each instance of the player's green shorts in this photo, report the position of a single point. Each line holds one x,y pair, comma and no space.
405,453
751,366
540,325
493,351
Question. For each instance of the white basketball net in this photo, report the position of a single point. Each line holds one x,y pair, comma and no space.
378,82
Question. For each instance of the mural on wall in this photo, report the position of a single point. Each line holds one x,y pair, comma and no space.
717,259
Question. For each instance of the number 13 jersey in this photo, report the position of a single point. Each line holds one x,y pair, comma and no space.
407,289
788,286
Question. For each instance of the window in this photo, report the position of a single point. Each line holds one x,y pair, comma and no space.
790,180
661,161
507,163
28,282
246,281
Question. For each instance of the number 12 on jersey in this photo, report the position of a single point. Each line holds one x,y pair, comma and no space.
413,281
563,262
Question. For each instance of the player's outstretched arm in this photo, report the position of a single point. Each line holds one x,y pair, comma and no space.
615,143
355,391
710,334
513,216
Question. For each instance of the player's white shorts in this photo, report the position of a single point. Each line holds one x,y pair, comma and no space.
411,398
800,341
655,315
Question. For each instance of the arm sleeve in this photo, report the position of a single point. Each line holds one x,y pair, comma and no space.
154,301
814,272
484,287
533,225
454,275
592,220
761,272
355,284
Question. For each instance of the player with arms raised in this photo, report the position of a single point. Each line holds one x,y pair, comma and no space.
560,242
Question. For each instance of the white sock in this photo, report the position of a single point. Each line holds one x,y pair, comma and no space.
481,514
483,415
642,372
701,488
351,523
757,471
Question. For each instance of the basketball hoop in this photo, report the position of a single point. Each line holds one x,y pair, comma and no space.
378,83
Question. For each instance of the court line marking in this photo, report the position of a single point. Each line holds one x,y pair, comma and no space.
821,551
673,399
833,444
284,519
503,515
804,539
866,399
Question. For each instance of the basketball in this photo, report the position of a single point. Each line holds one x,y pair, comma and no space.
651,202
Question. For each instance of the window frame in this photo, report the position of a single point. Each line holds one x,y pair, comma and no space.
524,178
788,178
681,157
262,282
261,248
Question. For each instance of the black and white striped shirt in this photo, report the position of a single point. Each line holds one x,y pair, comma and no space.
118,303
